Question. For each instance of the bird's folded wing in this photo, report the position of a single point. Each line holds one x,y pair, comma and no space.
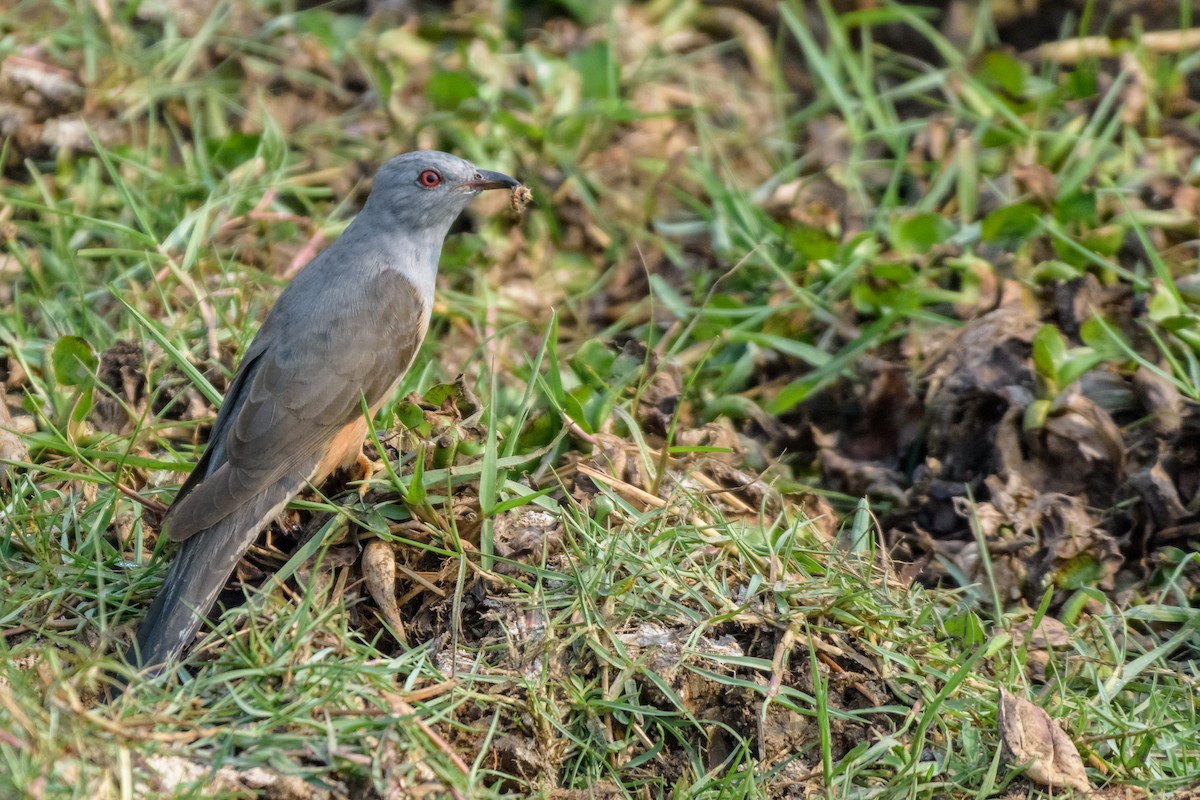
298,387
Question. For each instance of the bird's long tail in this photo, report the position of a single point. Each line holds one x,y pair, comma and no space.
198,572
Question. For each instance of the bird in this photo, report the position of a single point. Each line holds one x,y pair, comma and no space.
344,331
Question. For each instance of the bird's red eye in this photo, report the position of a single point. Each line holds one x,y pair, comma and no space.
429,178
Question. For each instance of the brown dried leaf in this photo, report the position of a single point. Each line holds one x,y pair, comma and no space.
659,399
1159,494
1075,301
528,534
714,434
1161,400
1050,634
1037,742
1070,532
1080,434
379,574
978,374
123,371
1032,535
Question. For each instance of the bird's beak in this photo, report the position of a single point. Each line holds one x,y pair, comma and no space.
485,179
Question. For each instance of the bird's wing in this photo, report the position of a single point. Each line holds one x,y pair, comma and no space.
300,384
297,390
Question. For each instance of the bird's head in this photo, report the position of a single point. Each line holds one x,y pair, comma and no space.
428,189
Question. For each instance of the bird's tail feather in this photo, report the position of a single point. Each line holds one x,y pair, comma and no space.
198,572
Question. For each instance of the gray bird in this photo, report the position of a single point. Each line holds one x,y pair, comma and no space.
346,329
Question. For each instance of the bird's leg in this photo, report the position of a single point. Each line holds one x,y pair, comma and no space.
366,468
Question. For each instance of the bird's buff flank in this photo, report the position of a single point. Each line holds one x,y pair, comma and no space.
346,329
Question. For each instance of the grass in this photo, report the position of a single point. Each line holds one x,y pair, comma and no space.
623,568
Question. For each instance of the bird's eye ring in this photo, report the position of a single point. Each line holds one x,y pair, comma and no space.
429,178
